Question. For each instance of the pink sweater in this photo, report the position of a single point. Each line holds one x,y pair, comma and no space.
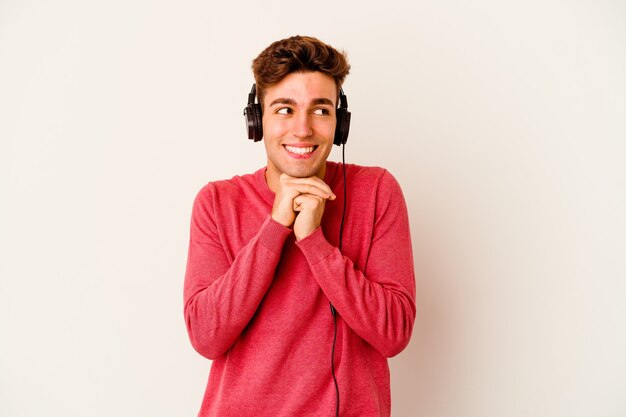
257,301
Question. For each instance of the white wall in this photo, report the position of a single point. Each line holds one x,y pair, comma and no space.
503,120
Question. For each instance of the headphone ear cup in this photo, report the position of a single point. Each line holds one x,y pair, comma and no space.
258,131
253,114
342,129
253,121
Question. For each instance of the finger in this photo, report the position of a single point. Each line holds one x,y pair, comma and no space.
312,180
297,204
314,190
306,201
310,186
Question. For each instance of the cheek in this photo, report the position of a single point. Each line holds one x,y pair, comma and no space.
326,130
271,130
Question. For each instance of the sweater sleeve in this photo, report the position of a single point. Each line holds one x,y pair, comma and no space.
377,303
220,294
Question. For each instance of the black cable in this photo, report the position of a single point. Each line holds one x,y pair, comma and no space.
345,195
332,309
332,361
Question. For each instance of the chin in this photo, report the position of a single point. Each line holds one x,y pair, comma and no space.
302,172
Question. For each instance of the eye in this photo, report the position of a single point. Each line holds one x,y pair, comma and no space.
283,110
321,112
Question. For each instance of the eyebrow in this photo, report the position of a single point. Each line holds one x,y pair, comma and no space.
292,102
323,101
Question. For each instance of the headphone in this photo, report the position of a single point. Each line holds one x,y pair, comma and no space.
254,125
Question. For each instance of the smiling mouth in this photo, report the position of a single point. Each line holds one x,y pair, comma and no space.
300,150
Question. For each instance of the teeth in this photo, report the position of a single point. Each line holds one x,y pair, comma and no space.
299,151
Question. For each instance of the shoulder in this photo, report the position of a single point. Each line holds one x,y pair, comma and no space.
228,188
370,179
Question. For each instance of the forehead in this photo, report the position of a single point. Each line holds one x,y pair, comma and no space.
303,88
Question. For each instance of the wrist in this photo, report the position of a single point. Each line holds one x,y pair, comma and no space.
303,234
282,220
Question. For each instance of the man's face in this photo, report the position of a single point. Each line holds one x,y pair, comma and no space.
299,124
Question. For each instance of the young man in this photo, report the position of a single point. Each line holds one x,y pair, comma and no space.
269,296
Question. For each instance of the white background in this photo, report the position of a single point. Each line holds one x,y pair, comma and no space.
504,121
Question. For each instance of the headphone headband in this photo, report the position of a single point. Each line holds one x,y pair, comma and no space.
343,100
252,94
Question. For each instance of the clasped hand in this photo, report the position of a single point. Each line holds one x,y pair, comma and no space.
300,203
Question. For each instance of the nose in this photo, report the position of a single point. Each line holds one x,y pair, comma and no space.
302,126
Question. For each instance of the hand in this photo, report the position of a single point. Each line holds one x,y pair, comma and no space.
285,208
310,209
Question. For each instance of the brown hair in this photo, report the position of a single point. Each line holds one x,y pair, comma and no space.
297,54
